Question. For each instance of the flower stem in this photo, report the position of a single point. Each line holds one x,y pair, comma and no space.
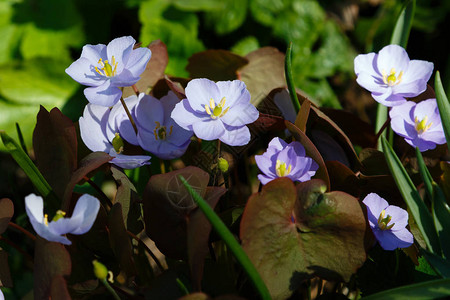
129,114
110,289
15,246
23,230
135,89
99,190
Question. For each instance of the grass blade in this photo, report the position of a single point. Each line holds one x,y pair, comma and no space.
444,107
441,217
289,78
425,174
230,241
402,28
412,198
423,290
439,264
27,165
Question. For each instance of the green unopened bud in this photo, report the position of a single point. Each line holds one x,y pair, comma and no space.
100,271
223,165
118,143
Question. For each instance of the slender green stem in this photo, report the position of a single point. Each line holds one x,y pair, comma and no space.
230,241
128,114
21,140
182,287
290,79
110,289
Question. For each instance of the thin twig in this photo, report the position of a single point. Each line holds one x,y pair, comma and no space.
23,230
377,136
128,114
135,89
158,263
15,246
99,190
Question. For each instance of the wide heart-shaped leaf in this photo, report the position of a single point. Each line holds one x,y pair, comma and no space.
6,213
294,233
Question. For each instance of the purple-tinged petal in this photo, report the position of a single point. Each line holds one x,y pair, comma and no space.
185,116
264,179
121,49
240,115
105,94
375,204
93,53
91,125
199,92
277,143
148,111
236,136
80,70
435,137
371,83
389,99
84,213
410,89
119,122
418,69
366,64
399,217
265,165
209,130
125,78
391,240
34,205
129,161
138,61
392,56
426,108
234,92
179,136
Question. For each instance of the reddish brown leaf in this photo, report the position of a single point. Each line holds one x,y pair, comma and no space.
5,275
58,289
153,71
6,213
215,65
55,147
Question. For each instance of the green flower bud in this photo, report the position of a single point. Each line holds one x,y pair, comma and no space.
100,271
118,143
223,165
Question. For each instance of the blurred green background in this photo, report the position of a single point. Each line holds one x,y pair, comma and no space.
40,38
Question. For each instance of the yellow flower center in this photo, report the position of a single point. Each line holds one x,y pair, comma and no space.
281,168
422,125
384,220
107,68
160,132
391,79
59,215
216,111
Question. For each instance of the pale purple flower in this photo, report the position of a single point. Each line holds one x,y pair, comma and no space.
106,68
97,132
217,111
2,297
81,221
419,123
158,133
388,223
285,160
391,76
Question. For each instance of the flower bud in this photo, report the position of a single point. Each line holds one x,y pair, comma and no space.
100,271
223,165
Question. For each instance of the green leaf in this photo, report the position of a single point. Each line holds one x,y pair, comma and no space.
441,217
441,265
245,46
198,5
382,116
230,17
444,107
418,291
30,169
425,174
402,28
412,198
229,240
290,80
177,29
294,233
37,81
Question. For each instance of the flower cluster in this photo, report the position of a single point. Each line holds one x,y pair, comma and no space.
392,77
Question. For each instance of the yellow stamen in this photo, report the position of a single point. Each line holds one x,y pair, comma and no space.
216,111
46,220
281,170
422,125
106,68
391,79
384,221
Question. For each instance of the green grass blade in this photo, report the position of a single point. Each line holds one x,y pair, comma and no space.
402,28
441,217
423,290
382,113
230,241
289,78
21,139
425,174
412,198
444,107
439,264
27,165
